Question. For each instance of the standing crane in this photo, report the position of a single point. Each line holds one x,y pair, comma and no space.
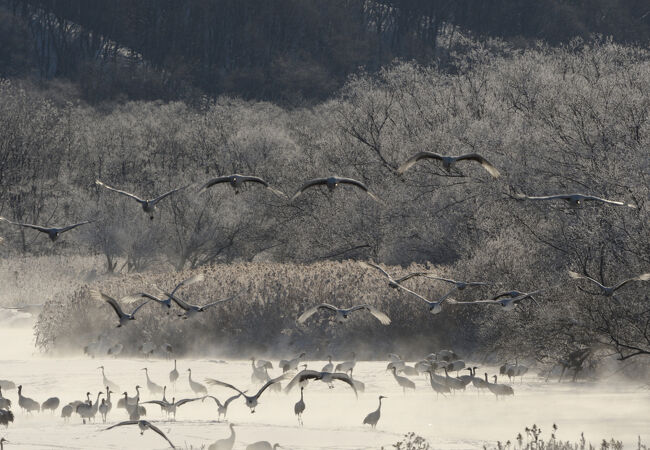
299,407
372,418
197,388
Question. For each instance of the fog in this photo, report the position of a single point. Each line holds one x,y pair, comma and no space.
333,417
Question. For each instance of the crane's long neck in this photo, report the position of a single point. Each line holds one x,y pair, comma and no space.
301,397
174,364
96,401
232,434
379,408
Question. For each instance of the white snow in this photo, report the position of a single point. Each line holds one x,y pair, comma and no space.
332,418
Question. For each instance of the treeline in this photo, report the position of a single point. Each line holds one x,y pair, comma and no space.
287,50
552,120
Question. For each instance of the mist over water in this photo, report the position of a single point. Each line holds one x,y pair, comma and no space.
333,418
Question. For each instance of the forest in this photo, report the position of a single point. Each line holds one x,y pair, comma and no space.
288,51
555,109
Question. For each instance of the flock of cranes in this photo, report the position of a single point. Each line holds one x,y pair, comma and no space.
236,181
294,371
428,367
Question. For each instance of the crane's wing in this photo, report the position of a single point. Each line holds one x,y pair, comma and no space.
526,295
382,317
70,227
186,400
446,296
26,225
212,182
179,302
447,280
506,294
264,183
253,179
346,379
277,192
412,275
475,302
414,293
644,277
227,402
302,376
157,402
415,158
379,315
311,311
270,382
100,296
209,305
128,194
191,280
604,200
137,308
215,399
544,197
577,276
307,185
127,422
358,307
213,382
360,185
375,266
157,430
133,297
167,194
484,162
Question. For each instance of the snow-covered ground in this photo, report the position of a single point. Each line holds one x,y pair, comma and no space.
332,419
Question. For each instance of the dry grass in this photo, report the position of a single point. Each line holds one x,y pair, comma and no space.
33,280
263,317
533,439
